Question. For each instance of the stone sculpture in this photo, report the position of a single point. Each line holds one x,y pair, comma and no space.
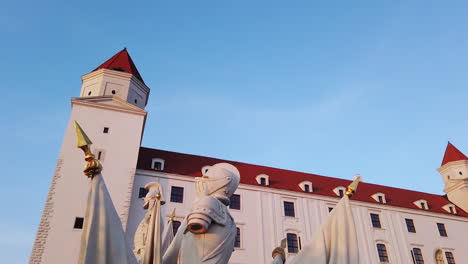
208,233
147,240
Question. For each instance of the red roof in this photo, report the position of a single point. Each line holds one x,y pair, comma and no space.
452,154
190,165
121,62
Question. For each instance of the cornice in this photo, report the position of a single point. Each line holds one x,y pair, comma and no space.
452,163
117,74
118,105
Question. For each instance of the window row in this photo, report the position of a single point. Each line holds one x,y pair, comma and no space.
294,242
375,220
416,255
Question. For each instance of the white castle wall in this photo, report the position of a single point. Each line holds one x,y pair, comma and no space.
263,224
60,244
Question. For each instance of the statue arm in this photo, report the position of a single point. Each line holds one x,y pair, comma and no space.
205,210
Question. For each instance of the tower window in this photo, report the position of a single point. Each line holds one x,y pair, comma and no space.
142,192
136,101
78,223
330,209
175,226
442,230
417,256
293,246
289,209
375,219
99,155
410,225
113,92
177,194
235,202
461,173
382,251
450,258
237,242
105,130
89,93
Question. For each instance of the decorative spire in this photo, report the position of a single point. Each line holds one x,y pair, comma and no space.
93,166
452,154
121,62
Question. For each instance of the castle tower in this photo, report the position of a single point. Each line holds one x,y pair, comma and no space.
454,171
111,111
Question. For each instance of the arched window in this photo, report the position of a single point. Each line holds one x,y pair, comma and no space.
157,164
293,245
237,242
382,251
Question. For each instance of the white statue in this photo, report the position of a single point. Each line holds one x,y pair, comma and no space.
208,233
147,240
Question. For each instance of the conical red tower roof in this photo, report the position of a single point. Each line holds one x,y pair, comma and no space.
452,154
121,62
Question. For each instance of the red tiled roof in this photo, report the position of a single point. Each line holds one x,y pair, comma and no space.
121,62
452,154
190,165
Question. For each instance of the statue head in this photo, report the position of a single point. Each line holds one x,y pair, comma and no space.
154,193
220,180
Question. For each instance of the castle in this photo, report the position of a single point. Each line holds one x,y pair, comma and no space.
393,225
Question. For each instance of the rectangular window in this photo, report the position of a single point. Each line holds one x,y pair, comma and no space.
177,194
451,210
417,256
423,205
99,155
450,258
382,251
442,230
306,188
237,242
78,223
106,130
262,181
235,202
289,209
292,243
410,225
375,220
142,193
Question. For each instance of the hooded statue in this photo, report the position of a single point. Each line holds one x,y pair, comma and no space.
208,233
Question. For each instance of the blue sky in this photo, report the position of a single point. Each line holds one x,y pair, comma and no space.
327,87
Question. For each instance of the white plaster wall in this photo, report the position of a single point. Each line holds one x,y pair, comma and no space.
121,146
263,223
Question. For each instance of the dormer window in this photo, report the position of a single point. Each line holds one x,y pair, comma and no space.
157,164
263,179
306,186
421,204
379,197
339,191
450,208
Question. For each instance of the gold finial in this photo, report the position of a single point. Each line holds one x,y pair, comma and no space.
93,166
351,190
172,216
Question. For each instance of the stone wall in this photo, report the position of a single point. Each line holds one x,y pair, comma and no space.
44,225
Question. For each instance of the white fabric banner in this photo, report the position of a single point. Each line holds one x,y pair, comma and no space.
335,242
103,240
